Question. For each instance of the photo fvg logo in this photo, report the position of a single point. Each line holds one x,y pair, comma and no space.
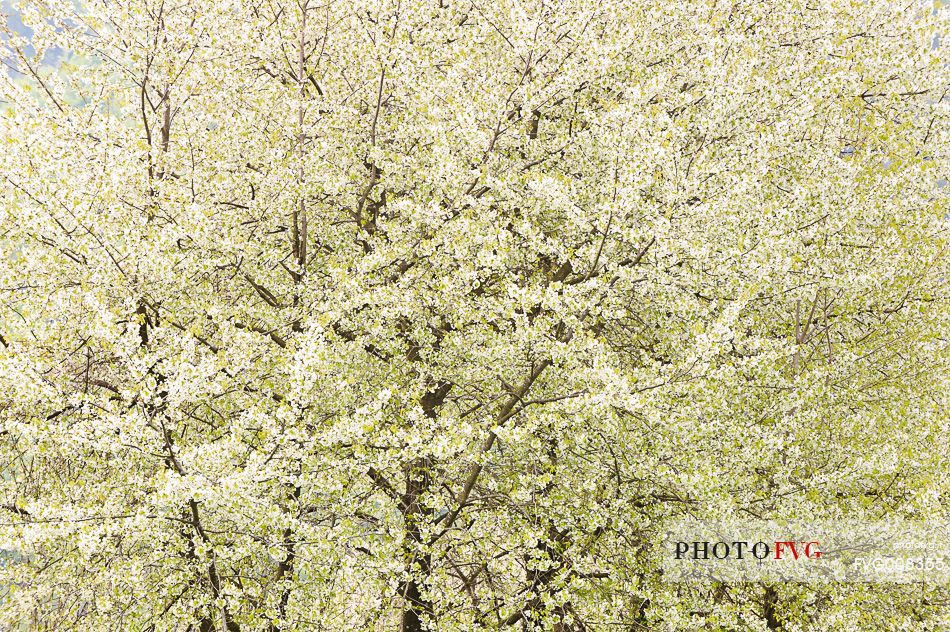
739,550
735,549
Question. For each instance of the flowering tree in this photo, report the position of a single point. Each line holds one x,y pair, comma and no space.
405,315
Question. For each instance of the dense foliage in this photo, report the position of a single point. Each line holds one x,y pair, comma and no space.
406,315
